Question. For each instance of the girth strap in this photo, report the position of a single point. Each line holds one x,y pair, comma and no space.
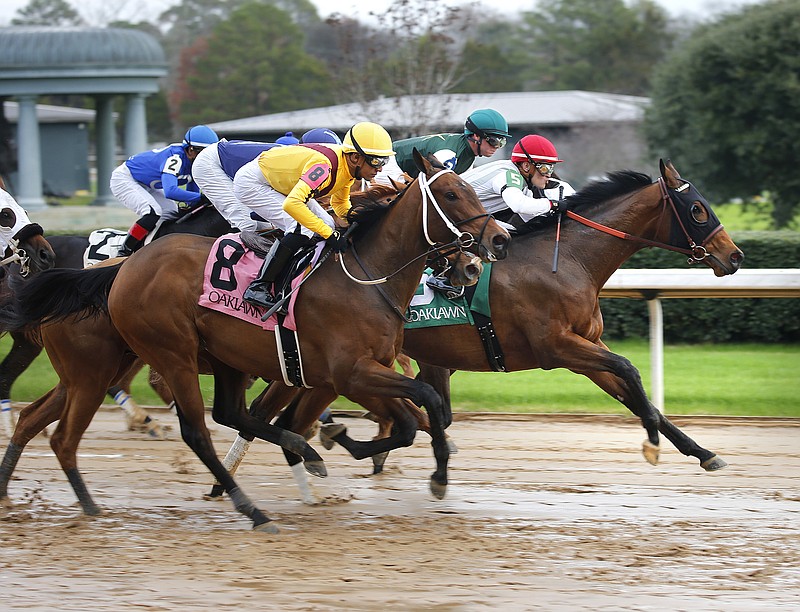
485,328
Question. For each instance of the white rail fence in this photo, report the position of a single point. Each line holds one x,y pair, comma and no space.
655,285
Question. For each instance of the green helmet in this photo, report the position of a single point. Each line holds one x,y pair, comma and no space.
487,122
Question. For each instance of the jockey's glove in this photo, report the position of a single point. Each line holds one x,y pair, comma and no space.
337,241
558,206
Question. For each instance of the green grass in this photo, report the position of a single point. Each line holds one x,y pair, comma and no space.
727,379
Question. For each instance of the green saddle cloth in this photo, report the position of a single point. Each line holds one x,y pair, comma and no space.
431,308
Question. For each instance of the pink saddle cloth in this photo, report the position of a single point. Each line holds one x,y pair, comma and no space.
230,268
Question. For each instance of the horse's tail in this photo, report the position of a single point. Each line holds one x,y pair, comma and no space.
54,295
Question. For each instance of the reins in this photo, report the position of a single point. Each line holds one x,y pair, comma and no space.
462,241
696,252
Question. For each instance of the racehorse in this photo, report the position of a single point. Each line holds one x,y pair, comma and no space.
70,251
546,320
24,251
153,303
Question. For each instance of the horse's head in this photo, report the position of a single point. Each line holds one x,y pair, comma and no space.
696,227
453,214
21,240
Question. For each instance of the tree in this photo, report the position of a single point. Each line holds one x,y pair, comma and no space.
596,45
47,13
220,77
726,106
414,50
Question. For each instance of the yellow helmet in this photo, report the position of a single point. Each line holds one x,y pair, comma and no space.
369,139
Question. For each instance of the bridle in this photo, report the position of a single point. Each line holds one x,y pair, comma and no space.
19,254
696,252
461,242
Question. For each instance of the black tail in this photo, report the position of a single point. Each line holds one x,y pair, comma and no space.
55,294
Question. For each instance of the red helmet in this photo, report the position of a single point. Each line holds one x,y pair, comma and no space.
538,149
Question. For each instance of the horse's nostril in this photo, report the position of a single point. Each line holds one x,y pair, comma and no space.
472,270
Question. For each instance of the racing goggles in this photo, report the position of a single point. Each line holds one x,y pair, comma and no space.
375,161
498,142
544,168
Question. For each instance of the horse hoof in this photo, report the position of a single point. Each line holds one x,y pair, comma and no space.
378,461
155,431
328,431
317,468
439,490
213,497
713,464
267,527
92,511
650,452
451,446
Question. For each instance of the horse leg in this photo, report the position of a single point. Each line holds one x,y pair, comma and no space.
262,407
228,409
617,389
371,379
83,401
593,359
136,416
32,420
23,352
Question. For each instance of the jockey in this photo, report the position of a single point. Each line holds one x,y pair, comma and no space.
216,165
150,183
485,131
281,186
523,187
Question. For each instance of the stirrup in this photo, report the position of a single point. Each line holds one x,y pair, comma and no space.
259,296
440,284
124,251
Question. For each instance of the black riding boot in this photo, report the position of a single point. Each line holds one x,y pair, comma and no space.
440,284
138,233
260,293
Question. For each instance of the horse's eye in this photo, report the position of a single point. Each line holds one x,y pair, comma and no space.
699,213
451,196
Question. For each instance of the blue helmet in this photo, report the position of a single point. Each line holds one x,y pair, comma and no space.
288,139
200,136
321,135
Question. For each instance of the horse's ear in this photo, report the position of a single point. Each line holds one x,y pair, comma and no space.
2,183
669,173
422,164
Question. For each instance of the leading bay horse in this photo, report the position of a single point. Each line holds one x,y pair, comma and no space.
546,320
349,333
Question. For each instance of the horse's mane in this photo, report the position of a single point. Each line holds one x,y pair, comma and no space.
613,185
368,206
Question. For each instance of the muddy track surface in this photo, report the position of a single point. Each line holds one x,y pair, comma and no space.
541,514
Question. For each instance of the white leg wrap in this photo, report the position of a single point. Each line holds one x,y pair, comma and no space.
6,422
306,492
236,453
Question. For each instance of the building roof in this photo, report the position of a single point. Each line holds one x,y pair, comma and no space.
41,47
40,60
47,113
541,108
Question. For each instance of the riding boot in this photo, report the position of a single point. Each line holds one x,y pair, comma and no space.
259,292
137,234
440,284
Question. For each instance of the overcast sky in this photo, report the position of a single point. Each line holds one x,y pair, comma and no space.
132,10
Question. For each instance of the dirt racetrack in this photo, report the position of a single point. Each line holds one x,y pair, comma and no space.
544,513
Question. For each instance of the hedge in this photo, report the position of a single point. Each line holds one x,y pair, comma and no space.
715,320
